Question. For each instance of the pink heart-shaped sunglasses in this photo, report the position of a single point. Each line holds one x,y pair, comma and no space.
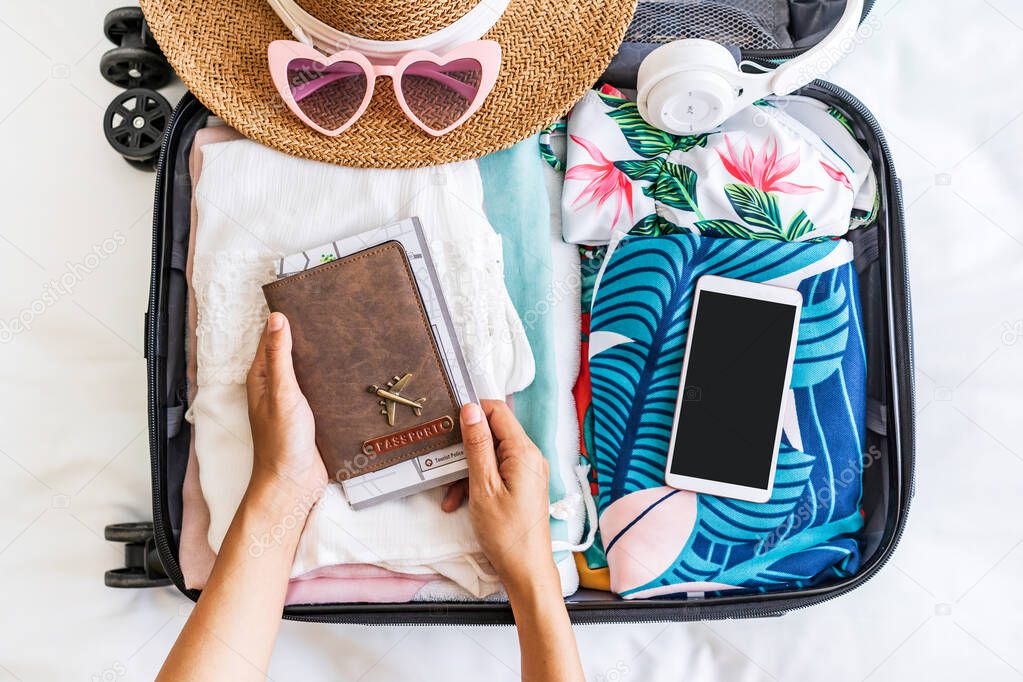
438,93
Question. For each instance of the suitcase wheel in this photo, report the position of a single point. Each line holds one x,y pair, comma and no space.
122,22
142,567
137,61
131,578
135,67
136,531
134,124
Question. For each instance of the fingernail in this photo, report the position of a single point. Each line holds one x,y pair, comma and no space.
275,322
471,413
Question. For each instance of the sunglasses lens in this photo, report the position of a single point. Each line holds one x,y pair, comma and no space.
329,95
440,94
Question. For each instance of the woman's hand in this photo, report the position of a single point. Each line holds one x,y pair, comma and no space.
231,631
285,459
508,504
508,498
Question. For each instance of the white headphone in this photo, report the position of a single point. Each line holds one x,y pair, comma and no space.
309,30
692,86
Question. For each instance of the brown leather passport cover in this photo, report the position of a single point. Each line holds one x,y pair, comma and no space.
359,323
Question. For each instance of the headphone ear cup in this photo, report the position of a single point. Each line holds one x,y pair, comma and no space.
688,86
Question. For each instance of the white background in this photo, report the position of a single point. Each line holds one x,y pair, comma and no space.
943,78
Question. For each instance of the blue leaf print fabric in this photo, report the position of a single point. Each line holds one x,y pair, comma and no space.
661,541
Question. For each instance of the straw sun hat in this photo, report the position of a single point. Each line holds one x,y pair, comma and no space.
552,51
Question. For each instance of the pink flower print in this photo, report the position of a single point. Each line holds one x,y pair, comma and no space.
608,89
763,169
837,175
605,181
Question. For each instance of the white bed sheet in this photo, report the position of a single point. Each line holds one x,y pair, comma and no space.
73,446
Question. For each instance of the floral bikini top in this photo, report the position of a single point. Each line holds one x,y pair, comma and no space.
785,169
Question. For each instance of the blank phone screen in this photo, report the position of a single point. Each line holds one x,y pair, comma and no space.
733,388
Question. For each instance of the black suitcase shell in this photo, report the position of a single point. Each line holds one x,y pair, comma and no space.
888,476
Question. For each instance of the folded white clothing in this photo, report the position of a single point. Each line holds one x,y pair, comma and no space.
411,535
255,205
566,283
834,130
446,590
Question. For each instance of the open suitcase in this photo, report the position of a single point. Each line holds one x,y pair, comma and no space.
888,474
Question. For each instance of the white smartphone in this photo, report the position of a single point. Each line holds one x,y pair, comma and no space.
737,369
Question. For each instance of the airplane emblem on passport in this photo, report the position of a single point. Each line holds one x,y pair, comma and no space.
390,397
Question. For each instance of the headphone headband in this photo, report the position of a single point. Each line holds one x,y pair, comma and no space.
692,86
820,58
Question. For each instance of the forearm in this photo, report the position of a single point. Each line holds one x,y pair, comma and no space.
231,631
546,640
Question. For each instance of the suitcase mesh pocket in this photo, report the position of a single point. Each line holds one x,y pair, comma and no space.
748,24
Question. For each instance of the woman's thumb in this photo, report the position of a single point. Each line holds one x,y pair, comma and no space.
484,478
280,372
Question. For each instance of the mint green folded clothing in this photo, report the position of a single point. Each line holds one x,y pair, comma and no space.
517,206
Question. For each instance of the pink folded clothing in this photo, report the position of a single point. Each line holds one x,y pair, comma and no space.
354,583
330,584
194,552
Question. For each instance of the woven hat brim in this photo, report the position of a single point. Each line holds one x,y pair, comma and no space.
552,52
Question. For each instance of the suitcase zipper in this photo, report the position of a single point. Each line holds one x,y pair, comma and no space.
166,554
899,223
